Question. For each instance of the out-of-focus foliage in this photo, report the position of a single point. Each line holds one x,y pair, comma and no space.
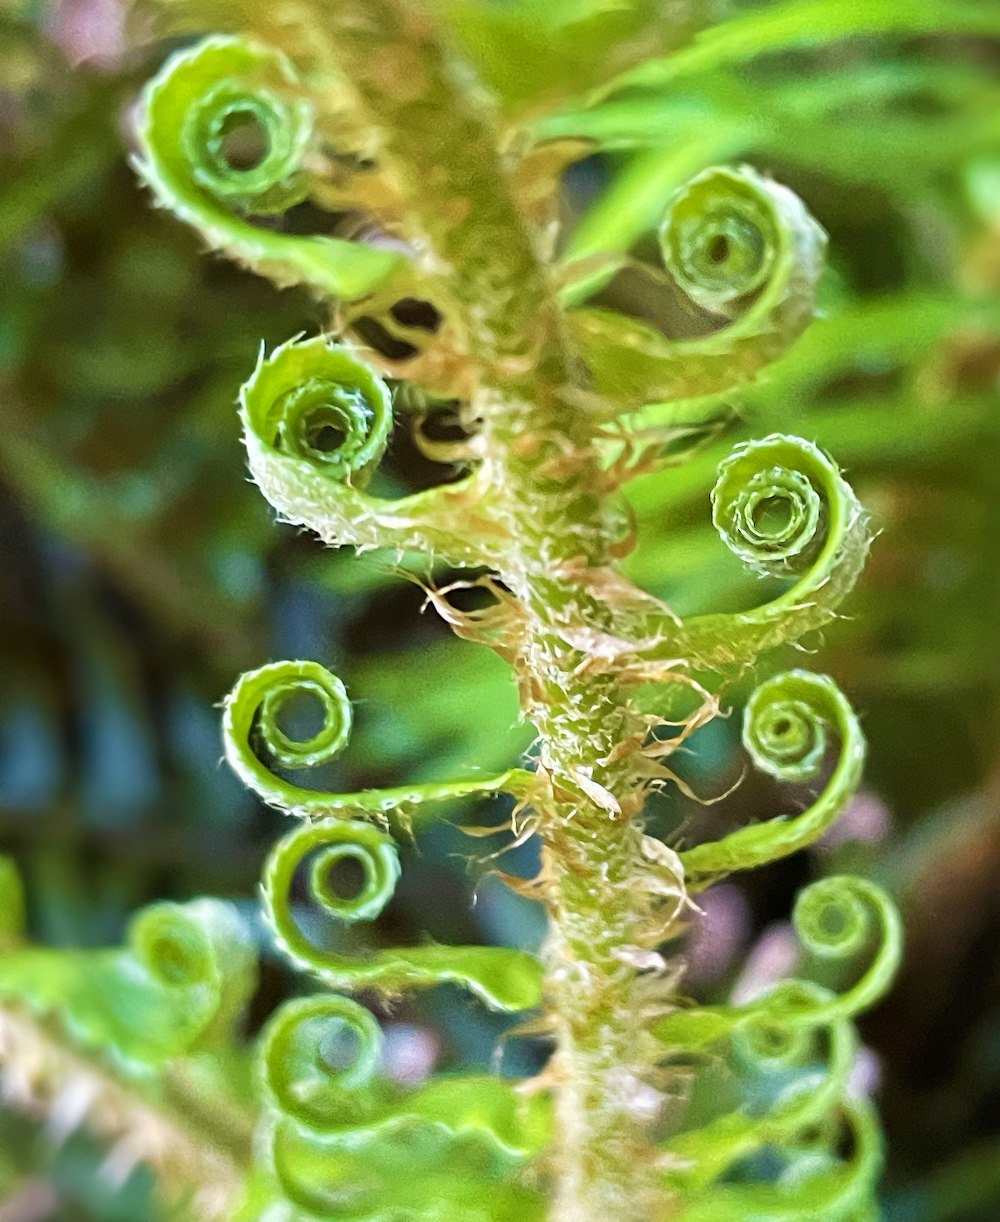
140,574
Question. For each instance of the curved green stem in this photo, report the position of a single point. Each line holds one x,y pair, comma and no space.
253,711
504,979
785,731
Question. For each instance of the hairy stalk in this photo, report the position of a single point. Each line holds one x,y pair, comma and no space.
605,1103
603,1162
547,384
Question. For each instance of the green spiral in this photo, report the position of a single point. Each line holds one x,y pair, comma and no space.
315,401
317,1056
842,917
316,421
253,726
504,979
810,1063
721,236
795,1046
785,730
738,245
187,970
193,111
336,1125
785,510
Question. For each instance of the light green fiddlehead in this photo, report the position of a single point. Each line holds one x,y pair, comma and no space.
837,920
504,979
340,1127
186,972
191,108
782,506
539,380
742,248
785,730
253,713
316,419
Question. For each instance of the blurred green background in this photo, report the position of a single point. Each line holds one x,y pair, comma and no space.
140,573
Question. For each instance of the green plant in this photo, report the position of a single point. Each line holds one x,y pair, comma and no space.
561,401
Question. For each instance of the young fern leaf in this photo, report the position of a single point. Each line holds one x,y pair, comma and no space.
785,730
253,713
782,1034
339,1125
316,419
190,112
785,510
504,979
742,248
186,972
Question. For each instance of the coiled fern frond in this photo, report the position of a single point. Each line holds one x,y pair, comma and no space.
437,177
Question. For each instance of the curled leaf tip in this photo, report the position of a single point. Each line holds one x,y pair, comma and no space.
741,247
225,131
727,234
786,730
316,402
504,979
255,726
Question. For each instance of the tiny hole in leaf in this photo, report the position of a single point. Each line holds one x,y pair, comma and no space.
244,143
326,438
340,1048
301,716
346,878
718,249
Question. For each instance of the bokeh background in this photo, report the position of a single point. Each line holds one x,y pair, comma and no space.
140,573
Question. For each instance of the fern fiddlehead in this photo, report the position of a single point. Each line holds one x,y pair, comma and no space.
784,509
742,248
339,1123
252,716
544,371
785,731
138,1042
504,979
316,421
191,110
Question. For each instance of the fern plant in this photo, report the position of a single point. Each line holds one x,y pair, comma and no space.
432,141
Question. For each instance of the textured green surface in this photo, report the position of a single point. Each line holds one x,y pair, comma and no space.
887,136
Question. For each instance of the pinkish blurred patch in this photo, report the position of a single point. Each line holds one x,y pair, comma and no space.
410,1053
866,820
89,31
720,934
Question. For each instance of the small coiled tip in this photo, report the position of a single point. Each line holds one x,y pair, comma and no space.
327,846
836,917
317,402
224,118
174,946
774,502
721,236
315,1051
787,723
257,716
